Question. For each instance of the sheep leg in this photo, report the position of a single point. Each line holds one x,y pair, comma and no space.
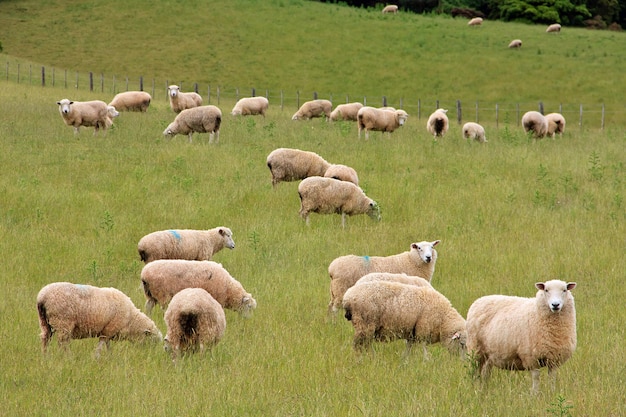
190,135
343,220
149,306
104,341
535,376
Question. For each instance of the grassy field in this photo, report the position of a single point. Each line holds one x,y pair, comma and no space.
509,213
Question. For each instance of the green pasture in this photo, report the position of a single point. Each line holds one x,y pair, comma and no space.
509,213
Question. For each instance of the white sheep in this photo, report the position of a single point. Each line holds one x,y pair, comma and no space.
391,277
180,101
515,44
198,245
111,114
313,108
387,311
163,278
381,120
474,131
556,124
328,195
131,101
75,311
251,106
343,173
477,21
390,8
555,27
286,164
202,119
346,111
195,321
517,333
346,270
438,123
535,122
85,113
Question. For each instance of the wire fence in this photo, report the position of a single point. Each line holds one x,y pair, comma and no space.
588,116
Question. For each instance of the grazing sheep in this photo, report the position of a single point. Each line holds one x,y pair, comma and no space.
313,108
193,245
523,334
202,119
346,270
111,114
390,8
535,122
555,27
474,131
515,44
556,124
342,173
347,111
75,311
328,195
131,101
85,113
194,321
387,311
477,21
381,120
163,278
390,277
180,101
251,106
287,164
438,123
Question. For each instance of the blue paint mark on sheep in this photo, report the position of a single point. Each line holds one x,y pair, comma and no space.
175,234
366,259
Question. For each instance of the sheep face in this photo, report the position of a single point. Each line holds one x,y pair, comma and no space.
173,90
64,106
227,235
170,131
425,250
402,116
374,211
554,294
248,304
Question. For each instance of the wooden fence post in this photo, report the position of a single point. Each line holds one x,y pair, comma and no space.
43,76
141,83
458,112
101,82
580,121
90,81
602,122
496,115
477,121
541,107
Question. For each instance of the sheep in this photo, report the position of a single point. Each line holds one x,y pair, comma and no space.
556,124
111,114
75,311
342,173
163,278
515,44
194,321
555,27
390,8
84,113
131,101
286,164
474,131
387,311
381,120
250,106
517,333
313,108
328,195
535,122
180,101
194,245
477,21
387,276
346,111
438,123
346,270
202,119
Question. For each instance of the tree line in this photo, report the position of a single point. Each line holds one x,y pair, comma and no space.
595,14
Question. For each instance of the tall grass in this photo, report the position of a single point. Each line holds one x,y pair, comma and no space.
509,213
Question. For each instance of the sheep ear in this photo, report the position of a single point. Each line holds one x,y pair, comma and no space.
540,286
436,242
222,232
571,286
58,103
414,246
456,336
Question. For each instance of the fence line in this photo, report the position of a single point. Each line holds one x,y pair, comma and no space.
495,111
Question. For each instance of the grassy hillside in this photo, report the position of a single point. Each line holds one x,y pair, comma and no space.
308,46
509,213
